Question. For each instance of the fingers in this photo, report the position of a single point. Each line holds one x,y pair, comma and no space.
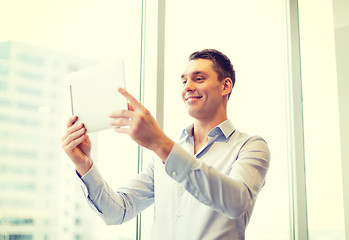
71,120
122,130
73,139
71,127
135,104
74,135
122,114
70,146
120,122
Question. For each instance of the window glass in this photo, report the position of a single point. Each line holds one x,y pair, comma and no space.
321,115
41,42
251,33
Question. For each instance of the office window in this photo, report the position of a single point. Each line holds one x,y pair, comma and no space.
40,197
320,82
251,33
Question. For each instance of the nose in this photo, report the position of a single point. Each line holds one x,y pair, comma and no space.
189,85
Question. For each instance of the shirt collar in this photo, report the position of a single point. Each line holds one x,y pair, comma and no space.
226,128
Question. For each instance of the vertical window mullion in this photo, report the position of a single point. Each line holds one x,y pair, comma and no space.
141,99
297,178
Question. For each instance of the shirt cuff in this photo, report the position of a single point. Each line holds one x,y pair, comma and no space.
91,181
179,163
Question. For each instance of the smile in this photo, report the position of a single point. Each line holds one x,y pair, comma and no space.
192,99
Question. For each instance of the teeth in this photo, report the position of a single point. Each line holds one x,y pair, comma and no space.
193,97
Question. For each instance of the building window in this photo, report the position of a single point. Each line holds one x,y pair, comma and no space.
31,59
3,86
4,69
29,91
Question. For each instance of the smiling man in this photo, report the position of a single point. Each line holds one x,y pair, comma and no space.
205,185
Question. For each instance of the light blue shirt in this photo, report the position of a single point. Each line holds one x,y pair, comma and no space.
208,195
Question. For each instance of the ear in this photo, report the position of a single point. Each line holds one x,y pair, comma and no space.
227,86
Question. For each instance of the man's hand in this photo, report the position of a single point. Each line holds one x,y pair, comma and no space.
140,125
77,145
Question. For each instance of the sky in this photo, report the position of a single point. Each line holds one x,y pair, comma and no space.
74,27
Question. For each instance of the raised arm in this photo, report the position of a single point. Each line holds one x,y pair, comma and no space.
140,125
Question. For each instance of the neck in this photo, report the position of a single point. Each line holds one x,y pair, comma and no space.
201,129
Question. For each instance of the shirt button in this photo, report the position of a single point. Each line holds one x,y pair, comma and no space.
174,174
179,214
196,194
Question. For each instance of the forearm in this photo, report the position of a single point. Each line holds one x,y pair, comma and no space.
117,207
103,200
223,193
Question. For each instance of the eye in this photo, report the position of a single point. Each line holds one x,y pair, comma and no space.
184,82
199,78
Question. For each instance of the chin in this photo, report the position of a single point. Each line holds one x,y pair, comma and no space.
194,114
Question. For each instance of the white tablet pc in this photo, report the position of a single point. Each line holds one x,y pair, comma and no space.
94,94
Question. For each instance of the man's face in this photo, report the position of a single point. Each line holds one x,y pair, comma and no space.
202,91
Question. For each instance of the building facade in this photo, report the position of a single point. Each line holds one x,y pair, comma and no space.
37,200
